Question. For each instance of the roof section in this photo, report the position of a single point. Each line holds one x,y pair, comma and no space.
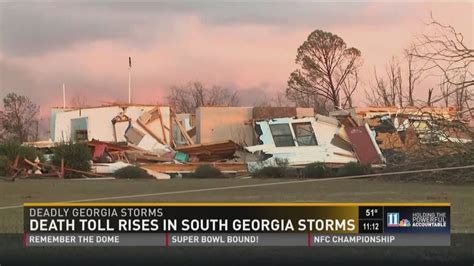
121,105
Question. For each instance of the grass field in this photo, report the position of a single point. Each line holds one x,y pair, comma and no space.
14,194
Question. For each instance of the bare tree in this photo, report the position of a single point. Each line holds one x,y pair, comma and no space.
394,77
79,101
400,87
325,64
444,51
318,103
390,90
429,102
19,117
413,75
463,96
349,86
380,93
186,98
445,88
279,100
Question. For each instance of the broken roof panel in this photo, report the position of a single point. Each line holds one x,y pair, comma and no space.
364,146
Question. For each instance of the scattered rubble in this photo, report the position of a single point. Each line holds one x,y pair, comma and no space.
240,139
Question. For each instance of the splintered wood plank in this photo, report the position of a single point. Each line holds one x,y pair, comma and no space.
191,167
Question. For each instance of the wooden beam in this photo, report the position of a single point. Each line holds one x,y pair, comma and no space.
150,132
115,131
63,169
170,130
161,124
34,165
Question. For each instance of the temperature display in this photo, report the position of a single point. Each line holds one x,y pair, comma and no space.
369,212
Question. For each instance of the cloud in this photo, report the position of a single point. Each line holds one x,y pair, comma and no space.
15,78
33,28
243,46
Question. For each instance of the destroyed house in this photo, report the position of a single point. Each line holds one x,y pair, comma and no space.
145,126
231,138
300,141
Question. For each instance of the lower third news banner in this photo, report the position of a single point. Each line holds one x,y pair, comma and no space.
236,224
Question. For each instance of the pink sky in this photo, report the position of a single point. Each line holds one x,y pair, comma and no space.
239,52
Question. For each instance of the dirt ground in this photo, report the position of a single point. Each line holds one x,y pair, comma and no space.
14,194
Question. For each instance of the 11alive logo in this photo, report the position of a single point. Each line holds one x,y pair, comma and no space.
393,220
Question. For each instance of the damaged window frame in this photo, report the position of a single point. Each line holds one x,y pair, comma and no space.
277,137
298,138
295,139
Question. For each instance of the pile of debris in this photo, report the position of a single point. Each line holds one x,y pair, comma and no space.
246,139
403,133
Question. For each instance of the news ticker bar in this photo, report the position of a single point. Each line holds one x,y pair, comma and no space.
237,224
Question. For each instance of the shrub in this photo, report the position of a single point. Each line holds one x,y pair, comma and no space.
281,162
3,165
278,169
76,156
132,172
207,171
353,168
316,170
271,172
11,149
